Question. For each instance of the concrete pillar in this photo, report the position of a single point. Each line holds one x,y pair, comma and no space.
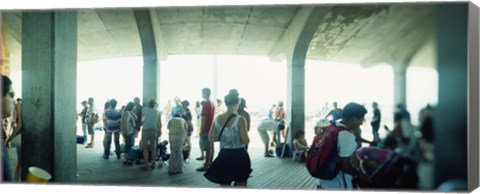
473,101
215,79
151,69
49,74
295,106
450,127
4,55
400,84
308,20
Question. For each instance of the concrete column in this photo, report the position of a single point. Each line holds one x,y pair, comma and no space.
49,74
473,100
295,106
308,20
400,84
450,132
151,70
215,79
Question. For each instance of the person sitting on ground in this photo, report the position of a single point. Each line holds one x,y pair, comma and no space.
263,128
300,144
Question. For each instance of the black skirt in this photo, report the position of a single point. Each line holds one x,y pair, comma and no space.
230,165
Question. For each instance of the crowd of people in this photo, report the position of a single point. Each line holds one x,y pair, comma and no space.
230,125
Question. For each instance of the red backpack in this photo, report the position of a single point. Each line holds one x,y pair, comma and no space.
322,159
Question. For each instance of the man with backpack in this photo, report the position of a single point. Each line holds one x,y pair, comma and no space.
330,154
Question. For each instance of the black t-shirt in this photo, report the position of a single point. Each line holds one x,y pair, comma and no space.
84,113
377,114
187,115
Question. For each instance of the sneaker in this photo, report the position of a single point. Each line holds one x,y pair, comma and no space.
89,146
268,155
105,157
201,158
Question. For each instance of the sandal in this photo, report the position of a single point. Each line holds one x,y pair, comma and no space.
145,168
203,168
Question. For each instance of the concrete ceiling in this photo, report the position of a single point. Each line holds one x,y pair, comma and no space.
365,34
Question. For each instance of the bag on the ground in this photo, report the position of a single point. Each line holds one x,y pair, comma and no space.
162,153
279,148
134,153
322,160
80,139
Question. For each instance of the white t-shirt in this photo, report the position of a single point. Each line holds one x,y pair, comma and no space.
267,125
346,147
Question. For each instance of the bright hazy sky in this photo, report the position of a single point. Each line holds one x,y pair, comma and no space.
260,81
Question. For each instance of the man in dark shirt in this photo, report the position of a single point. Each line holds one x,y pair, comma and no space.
377,117
138,112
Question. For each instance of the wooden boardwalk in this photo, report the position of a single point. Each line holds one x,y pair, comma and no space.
268,173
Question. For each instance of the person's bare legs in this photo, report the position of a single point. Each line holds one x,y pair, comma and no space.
209,157
266,149
92,137
154,154
145,157
18,170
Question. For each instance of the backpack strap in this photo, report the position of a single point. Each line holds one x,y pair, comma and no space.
230,117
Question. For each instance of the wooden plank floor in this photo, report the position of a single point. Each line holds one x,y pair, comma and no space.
268,173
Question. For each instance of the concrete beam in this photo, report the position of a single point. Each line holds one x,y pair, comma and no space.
162,52
285,46
403,44
151,70
49,74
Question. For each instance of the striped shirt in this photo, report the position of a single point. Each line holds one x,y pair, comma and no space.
177,126
114,118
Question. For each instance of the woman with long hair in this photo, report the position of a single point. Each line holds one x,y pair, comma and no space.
127,130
